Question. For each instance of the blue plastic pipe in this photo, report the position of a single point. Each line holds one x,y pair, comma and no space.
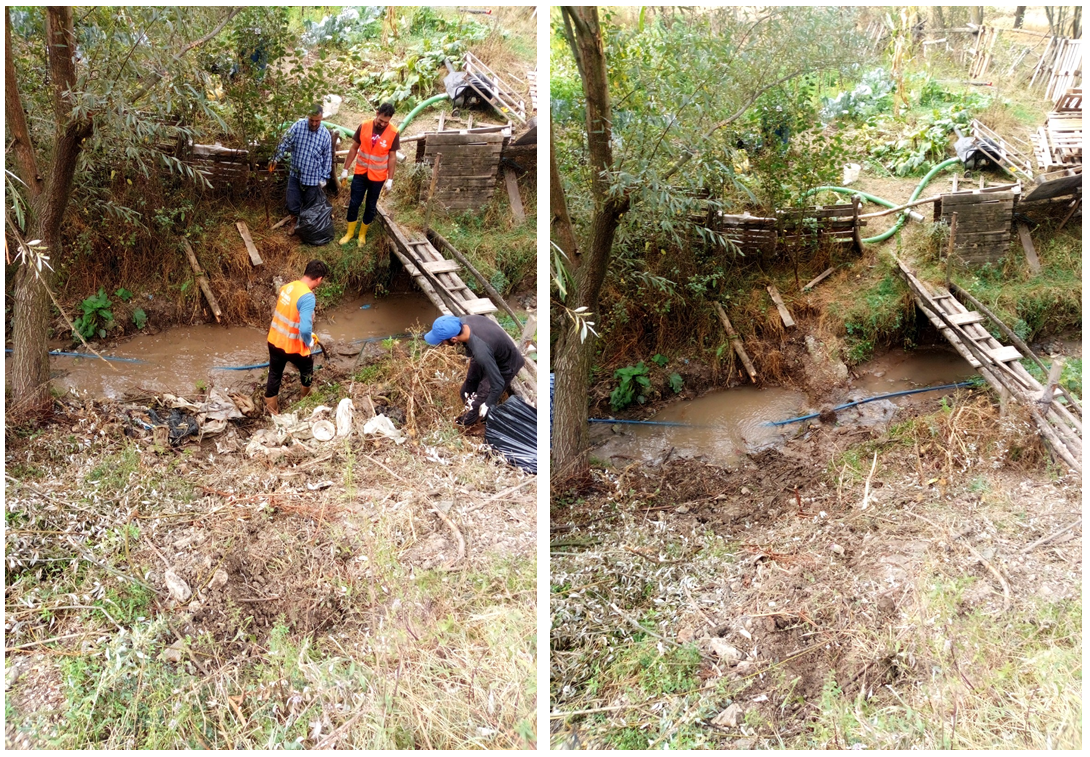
845,406
58,353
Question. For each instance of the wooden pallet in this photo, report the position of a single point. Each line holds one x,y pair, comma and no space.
1015,153
984,224
468,168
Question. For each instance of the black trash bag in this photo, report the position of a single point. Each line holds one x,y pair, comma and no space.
315,225
511,430
179,425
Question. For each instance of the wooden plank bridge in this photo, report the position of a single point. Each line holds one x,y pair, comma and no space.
438,278
1056,412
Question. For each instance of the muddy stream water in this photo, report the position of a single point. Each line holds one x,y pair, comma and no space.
176,359
722,426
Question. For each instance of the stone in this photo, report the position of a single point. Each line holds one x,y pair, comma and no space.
219,579
729,717
727,653
176,585
173,653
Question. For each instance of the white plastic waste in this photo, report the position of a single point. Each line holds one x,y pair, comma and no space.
380,425
345,411
323,430
851,173
330,105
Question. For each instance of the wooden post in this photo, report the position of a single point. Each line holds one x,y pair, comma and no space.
202,280
1027,245
788,321
821,277
736,342
857,240
1050,386
431,190
513,195
244,231
950,244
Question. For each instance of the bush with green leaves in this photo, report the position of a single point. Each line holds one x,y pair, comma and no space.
97,317
633,379
676,382
351,26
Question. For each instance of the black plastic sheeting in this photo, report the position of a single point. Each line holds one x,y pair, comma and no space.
316,220
511,430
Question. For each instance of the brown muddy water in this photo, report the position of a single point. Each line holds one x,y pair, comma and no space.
179,358
725,425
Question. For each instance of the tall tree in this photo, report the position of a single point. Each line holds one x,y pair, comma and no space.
698,77
91,83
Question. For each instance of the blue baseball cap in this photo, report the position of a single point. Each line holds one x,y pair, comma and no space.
445,327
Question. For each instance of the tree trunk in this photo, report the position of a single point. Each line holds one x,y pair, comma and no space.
1019,16
562,232
30,364
573,358
976,14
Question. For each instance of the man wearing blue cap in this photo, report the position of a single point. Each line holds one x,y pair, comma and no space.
494,360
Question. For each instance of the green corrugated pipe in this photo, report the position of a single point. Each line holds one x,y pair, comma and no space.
879,201
401,128
415,111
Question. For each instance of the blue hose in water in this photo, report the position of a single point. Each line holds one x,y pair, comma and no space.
58,353
845,406
960,385
255,366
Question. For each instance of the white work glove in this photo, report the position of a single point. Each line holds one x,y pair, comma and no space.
313,342
322,183
484,411
344,177
389,184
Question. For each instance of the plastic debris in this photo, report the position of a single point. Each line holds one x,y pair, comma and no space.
511,430
380,425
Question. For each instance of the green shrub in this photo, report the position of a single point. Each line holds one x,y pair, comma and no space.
632,378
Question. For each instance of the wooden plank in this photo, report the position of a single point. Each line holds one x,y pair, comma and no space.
962,319
736,342
1027,245
513,195
480,306
821,277
1005,354
788,321
202,280
441,266
281,222
244,230
465,138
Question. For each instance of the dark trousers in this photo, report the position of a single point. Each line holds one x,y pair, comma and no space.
362,187
299,195
278,359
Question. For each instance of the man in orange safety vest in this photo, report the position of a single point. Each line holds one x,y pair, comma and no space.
291,335
373,156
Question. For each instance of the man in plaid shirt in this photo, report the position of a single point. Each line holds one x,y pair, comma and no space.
311,159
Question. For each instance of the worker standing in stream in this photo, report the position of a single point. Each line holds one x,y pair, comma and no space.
291,335
494,360
374,156
311,150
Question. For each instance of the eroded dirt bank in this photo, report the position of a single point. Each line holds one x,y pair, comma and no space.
858,586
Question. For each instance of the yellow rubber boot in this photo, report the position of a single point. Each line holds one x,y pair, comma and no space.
363,234
351,232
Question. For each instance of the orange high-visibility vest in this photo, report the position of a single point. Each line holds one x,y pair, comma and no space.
374,161
284,332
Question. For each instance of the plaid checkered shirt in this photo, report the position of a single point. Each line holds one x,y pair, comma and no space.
311,152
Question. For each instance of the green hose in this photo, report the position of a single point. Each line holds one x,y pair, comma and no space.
345,131
879,201
415,111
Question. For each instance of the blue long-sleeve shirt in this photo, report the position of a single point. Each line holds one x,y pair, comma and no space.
306,305
311,152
